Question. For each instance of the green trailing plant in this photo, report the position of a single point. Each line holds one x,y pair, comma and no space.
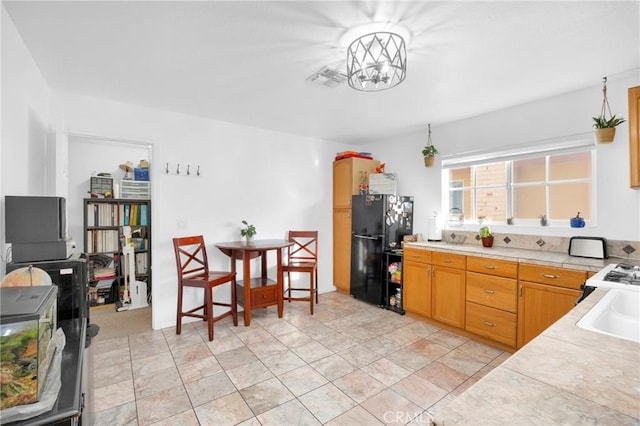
602,123
485,232
429,151
248,231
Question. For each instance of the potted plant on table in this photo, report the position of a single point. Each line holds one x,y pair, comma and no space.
248,231
487,236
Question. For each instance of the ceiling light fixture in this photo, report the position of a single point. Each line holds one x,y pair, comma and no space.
376,61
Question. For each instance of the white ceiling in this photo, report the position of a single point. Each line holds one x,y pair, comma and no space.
247,61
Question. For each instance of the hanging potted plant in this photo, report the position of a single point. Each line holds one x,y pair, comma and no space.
606,128
429,152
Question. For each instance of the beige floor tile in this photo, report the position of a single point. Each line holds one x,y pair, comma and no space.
355,416
359,385
391,408
295,370
162,405
289,413
209,388
327,402
228,410
156,382
302,380
249,374
266,395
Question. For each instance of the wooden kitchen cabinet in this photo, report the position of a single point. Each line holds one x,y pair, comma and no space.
634,136
347,176
448,288
492,302
544,295
417,281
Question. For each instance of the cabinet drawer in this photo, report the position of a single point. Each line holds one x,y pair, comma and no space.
559,277
495,292
449,260
263,296
501,268
416,255
491,323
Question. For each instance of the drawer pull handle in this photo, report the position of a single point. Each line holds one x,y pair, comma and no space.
490,267
488,323
486,290
550,276
447,260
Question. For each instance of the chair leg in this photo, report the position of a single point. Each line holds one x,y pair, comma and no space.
208,294
288,290
234,303
179,311
316,286
311,291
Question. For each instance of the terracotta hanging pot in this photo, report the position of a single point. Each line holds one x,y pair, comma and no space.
606,135
428,161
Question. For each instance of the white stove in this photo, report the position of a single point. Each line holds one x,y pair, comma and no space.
620,275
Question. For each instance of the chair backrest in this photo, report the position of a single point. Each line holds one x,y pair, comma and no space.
191,257
305,246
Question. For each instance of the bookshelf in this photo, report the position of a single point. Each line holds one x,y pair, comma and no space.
104,219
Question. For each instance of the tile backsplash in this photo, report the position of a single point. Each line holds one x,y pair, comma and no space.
615,248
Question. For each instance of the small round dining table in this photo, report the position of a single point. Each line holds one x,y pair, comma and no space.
260,291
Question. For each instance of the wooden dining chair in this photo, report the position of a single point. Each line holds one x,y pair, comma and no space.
302,256
193,271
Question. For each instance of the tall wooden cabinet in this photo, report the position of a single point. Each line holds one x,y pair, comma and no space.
348,174
634,136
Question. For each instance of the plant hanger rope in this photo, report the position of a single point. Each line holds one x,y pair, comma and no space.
605,101
429,143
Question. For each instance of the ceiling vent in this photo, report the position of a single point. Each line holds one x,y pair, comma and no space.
328,76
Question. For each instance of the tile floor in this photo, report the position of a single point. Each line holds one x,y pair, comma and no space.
349,364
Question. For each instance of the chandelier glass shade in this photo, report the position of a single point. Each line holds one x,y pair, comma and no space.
376,61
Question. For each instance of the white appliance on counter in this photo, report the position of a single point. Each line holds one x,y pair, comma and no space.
616,275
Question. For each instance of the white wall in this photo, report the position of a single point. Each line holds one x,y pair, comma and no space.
25,167
275,181
618,206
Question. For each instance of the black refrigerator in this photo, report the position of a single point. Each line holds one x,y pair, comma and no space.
378,223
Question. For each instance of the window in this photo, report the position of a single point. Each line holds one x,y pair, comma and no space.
553,179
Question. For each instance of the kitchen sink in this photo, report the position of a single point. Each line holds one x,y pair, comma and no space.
617,314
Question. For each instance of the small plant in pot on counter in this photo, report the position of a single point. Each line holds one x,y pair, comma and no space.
487,236
248,231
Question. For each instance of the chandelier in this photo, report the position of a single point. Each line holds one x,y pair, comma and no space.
376,61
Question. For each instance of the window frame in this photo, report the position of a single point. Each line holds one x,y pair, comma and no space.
543,149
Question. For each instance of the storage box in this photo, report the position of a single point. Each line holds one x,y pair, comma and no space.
382,183
100,185
27,323
135,190
141,174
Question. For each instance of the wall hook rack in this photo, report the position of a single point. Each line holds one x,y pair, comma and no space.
168,167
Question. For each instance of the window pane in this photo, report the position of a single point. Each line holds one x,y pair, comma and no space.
570,166
529,202
530,170
491,203
491,174
461,202
460,177
567,199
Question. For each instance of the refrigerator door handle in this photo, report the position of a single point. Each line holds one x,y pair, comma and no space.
366,237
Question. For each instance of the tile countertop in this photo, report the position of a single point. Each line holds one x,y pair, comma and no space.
540,257
566,375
